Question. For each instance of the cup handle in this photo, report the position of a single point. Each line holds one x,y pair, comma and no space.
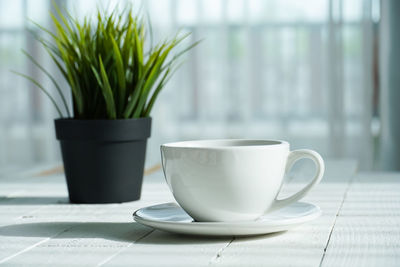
292,158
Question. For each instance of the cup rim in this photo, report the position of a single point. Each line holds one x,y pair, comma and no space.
207,144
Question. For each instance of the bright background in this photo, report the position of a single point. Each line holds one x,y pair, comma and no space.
303,71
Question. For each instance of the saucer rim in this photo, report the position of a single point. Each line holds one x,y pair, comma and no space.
282,222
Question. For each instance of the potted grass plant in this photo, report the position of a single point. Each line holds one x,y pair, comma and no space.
114,75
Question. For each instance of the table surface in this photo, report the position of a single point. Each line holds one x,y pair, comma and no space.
360,226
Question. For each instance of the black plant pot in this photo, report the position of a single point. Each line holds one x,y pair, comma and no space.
103,159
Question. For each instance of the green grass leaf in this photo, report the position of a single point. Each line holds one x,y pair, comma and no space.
121,75
52,80
43,90
111,68
167,76
107,92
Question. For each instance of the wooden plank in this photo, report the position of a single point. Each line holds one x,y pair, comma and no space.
44,200
86,243
52,224
63,224
164,249
271,250
38,226
367,231
256,251
66,239
13,188
302,246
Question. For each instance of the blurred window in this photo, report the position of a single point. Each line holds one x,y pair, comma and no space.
287,69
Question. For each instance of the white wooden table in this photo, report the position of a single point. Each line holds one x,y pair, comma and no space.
360,226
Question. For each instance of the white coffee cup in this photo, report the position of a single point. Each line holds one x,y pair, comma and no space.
232,180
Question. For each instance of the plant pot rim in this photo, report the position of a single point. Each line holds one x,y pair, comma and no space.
118,130
102,120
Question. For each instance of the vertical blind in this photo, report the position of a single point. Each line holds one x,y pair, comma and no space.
303,71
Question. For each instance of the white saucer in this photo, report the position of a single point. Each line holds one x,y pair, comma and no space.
172,218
